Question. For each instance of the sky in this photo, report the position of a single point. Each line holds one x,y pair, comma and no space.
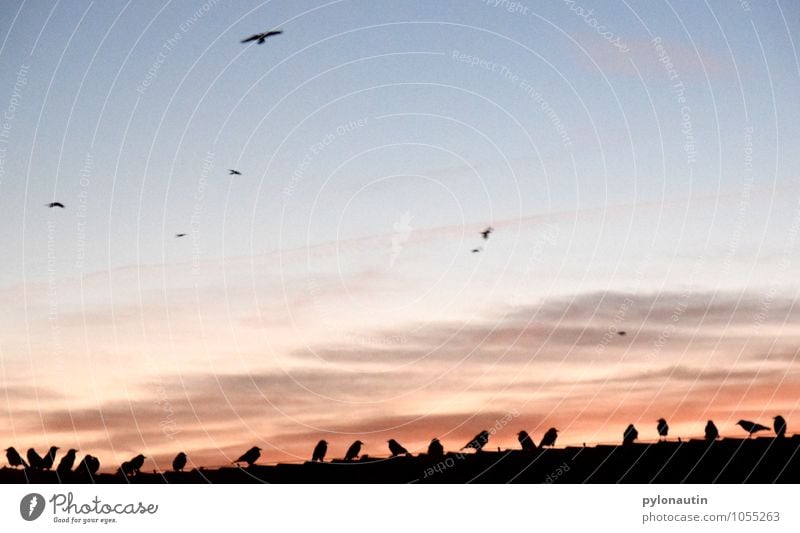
637,161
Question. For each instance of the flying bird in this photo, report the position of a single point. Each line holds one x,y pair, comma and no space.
67,462
179,235
478,441
179,463
549,438
751,427
261,37
476,250
250,456
663,429
34,459
435,448
779,425
319,451
622,333
54,204
712,433
91,464
485,233
50,458
353,451
396,448
14,458
630,435
232,172
525,441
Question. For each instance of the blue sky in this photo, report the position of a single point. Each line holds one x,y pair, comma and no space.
642,147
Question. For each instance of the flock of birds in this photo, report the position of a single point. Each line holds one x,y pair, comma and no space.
90,464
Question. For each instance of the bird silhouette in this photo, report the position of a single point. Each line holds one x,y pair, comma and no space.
319,451
179,463
54,204
132,467
485,233
549,438
751,427
435,448
34,459
353,451
50,458
712,433
630,434
663,429
90,464
525,441
261,37
250,456
478,441
179,235
476,250
66,463
622,333
779,425
232,172
14,459
396,448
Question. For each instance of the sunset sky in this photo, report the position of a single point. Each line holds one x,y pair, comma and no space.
639,164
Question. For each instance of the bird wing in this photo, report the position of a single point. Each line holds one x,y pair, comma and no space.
252,38
271,33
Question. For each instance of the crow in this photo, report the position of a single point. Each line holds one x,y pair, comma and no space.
261,37
353,451
779,425
476,250
67,462
630,435
132,467
663,429
14,458
478,441
232,172
622,333
179,235
34,459
90,464
250,456
751,427
712,433
526,441
50,458
549,438
179,462
396,448
54,204
319,451
435,449
488,231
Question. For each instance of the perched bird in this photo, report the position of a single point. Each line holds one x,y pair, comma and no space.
261,37
779,425
526,441
179,463
549,438
478,441
34,459
90,464
250,456
67,462
14,458
435,449
712,433
476,250
179,235
751,427
232,172
55,204
50,458
488,231
396,448
663,428
319,451
353,451
630,435
132,467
